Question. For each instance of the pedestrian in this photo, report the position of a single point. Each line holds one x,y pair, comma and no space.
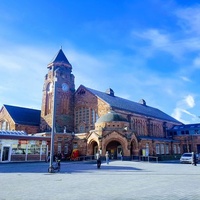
107,157
194,159
48,157
98,156
59,156
121,155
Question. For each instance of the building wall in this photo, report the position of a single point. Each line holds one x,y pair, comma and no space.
87,109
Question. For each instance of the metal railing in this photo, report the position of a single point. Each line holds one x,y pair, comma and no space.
84,158
145,158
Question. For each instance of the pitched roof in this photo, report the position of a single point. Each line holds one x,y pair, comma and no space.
138,108
60,57
26,116
186,127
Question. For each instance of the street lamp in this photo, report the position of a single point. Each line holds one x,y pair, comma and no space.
51,170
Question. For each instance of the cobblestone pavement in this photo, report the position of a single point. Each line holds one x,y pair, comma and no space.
119,180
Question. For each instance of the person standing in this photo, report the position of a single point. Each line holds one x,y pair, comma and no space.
107,157
121,155
194,159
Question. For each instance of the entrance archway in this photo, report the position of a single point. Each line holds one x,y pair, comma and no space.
93,148
114,148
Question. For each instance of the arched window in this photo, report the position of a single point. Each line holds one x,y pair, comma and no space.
175,149
4,125
157,148
162,149
48,98
167,149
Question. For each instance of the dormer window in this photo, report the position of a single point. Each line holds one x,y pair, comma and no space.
81,92
110,92
143,102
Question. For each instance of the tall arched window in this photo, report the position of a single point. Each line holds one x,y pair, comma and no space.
157,148
48,99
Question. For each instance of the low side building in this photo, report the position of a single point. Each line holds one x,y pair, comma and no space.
188,136
19,146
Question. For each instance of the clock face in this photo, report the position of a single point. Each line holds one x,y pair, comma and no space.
65,87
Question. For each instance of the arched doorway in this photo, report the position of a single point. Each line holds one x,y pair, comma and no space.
114,148
93,148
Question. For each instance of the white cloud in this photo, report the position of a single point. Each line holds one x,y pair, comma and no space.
189,18
196,62
178,42
181,112
185,116
190,101
184,78
157,38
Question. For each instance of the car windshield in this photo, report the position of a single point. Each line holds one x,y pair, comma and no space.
187,154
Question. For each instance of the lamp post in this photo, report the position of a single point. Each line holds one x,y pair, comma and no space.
51,170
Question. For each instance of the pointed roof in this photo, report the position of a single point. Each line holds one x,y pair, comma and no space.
60,58
131,106
25,116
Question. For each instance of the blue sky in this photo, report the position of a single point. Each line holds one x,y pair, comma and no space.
141,49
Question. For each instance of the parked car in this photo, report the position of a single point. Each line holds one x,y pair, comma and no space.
187,158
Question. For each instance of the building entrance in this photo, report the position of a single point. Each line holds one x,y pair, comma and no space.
5,154
114,148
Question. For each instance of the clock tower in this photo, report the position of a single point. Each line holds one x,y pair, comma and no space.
58,91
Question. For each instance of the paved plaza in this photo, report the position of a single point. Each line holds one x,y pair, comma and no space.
82,180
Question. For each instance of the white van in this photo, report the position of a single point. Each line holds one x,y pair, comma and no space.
187,158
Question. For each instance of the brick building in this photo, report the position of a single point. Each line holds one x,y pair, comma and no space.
91,120
100,120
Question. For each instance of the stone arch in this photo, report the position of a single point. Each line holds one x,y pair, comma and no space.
92,147
114,147
119,140
115,142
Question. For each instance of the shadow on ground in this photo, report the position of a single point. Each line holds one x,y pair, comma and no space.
72,167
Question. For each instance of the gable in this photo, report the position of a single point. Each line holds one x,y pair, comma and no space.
25,116
83,96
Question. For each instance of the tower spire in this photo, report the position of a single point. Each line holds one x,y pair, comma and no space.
60,59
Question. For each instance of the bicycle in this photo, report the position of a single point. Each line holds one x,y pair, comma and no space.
54,168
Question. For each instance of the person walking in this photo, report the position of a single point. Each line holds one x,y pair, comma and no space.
98,156
59,158
107,157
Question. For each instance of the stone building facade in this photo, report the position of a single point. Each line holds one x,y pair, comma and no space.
133,128
91,121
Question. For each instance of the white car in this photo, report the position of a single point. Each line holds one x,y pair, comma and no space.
187,158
